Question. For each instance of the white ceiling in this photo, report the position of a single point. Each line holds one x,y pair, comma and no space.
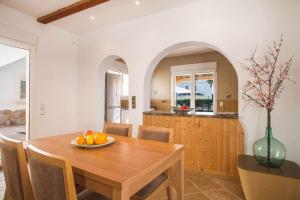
10,54
108,13
189,50
37,8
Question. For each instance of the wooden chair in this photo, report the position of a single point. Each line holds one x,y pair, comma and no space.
161,183
118,129
52,177
156,133
18,186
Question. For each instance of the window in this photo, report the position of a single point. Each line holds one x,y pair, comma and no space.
195,86
204,92
183,90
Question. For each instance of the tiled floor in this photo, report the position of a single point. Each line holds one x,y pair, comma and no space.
198,186
14,132
204,186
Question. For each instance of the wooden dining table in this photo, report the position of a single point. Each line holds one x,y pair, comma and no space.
121,169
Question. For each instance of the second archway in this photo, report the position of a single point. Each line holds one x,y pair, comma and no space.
116,91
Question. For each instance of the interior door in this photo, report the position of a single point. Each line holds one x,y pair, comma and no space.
113,97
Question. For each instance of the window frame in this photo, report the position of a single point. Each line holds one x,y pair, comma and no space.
192,70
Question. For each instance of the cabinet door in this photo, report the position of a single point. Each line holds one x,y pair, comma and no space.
188,138
147,121
211,145
158,121
201,130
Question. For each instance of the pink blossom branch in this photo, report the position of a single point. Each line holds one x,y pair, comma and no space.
267,78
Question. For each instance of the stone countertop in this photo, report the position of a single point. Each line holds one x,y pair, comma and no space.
193,114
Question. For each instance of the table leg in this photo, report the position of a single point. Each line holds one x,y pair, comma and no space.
119,195
180,178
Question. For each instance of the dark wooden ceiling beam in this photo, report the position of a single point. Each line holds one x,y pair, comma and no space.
69,10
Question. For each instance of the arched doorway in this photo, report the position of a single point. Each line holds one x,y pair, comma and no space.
199,76
194,74
114,76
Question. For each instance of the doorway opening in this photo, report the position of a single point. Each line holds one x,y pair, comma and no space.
117,92
192,75
14,92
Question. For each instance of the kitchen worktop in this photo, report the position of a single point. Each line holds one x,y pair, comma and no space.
193,114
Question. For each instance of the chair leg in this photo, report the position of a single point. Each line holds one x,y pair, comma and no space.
169,193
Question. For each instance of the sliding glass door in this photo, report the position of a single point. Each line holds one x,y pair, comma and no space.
14,94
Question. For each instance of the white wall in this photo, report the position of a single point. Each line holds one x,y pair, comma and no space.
9,77
234,27
53,71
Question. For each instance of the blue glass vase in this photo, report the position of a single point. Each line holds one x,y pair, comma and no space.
269,151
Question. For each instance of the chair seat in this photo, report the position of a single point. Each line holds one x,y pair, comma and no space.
152,186
90,195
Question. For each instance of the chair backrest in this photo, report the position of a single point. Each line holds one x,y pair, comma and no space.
14,163
118,129
51,176
156,133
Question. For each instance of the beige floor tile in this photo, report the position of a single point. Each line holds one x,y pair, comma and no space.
220,194
204,183
194,174
225,181
188,173
195,196
237,191
163,196
234,186
188,187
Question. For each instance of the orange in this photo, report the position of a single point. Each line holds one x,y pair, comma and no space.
80,140
88,132
96,135
100,139
89,140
